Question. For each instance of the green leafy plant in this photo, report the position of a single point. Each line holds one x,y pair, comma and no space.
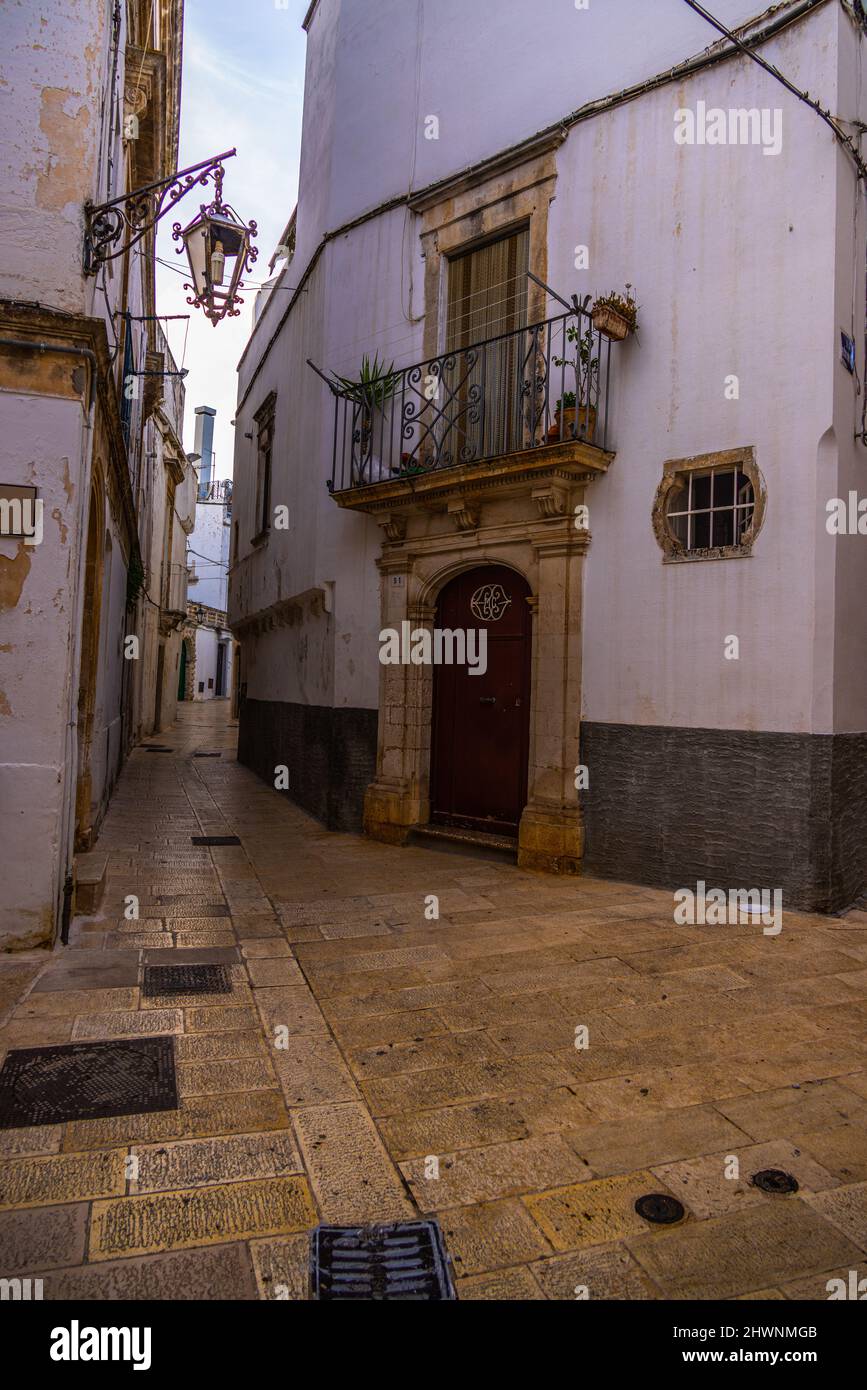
623,304
585,365
135,577
374,385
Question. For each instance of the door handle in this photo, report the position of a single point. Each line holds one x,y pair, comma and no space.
488,700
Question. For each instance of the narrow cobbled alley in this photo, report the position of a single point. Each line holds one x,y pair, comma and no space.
365,1060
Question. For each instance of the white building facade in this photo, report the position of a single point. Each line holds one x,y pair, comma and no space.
208,658
677,682
90,113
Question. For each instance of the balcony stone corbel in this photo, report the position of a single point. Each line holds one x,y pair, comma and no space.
465,512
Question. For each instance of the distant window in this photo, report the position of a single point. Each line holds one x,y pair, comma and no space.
710,507
264,450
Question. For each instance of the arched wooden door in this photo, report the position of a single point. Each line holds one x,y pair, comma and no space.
481,723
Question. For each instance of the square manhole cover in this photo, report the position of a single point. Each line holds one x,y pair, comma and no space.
215,839
185,979
87,1081
404,1261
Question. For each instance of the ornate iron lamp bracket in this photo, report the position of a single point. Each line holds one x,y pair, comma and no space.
137,212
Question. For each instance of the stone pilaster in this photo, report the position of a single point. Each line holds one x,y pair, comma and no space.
551,835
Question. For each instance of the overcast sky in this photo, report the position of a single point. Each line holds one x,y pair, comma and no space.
243,86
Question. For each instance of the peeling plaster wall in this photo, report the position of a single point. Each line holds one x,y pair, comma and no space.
58,149
52,74
41,443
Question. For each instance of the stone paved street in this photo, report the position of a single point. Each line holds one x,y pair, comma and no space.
364,1049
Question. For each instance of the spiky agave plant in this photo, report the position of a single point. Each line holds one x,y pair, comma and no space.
374,385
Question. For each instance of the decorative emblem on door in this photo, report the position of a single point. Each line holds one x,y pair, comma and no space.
489,603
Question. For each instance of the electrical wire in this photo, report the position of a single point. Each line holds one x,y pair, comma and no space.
844,139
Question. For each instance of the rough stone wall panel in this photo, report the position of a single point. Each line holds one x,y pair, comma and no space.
668,807
330,754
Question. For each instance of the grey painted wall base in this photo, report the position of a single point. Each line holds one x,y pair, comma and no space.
668,807
330,754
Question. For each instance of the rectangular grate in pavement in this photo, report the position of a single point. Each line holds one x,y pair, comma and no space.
162,980
87,1081
207,755
215,839
405,1261
157,748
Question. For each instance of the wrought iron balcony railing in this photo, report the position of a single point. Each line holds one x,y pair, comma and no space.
540,385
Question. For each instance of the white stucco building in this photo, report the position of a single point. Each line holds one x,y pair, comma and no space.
208,656
91,410
678,681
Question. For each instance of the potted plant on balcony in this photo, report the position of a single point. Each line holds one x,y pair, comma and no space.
572,420
369,393
616,315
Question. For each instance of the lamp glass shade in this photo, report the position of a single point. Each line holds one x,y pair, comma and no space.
217,245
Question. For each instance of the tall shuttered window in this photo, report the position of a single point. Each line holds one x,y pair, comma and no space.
487,305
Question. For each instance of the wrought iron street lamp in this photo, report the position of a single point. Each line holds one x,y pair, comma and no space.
219,250
215,237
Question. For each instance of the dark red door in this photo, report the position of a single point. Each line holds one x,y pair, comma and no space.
481,723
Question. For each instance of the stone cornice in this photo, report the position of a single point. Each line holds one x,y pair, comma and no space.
34,324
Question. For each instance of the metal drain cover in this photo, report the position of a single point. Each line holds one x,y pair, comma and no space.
405,1261
774,1180
660,1209
215,839
157,748
185,979
207,755
87,1081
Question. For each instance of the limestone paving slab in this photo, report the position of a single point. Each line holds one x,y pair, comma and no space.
442,1086
845,1208
352,1175
605,1272
502,1286
612,1147
196,1116
232,1075
704,1184
40,1238
593,1212
282,1268
178,1220
293,1008
208,1162
310,1070
217,1047
59,1178
744,1251
71,1002
498,1170
494,1235
790,1110
128,1024
203,1275
454,1127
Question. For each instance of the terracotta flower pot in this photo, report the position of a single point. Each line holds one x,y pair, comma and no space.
610,324
586,424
